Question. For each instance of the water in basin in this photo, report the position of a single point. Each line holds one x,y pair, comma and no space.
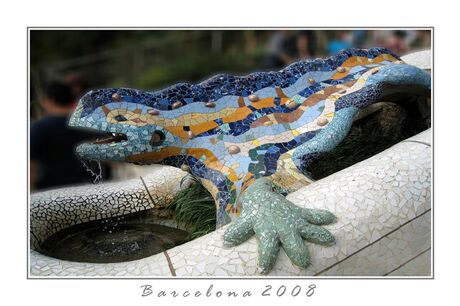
115,239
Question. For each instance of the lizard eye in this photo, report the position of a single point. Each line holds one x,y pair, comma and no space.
157,138
120,118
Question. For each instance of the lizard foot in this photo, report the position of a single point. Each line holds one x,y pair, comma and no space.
277,222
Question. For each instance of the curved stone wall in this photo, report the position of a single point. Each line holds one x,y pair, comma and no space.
54,210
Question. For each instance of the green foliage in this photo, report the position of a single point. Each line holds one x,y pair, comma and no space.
370,136
360,144
195,208
192,67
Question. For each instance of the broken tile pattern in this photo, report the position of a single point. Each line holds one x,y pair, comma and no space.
229,131
54,210
389,252
419,266
44,266
421,59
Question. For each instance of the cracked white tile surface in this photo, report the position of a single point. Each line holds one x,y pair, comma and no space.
419,266
421,59
54,210
40,265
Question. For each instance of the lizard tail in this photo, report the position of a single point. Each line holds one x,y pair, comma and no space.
388,83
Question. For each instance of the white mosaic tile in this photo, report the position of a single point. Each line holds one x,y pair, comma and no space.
419,266
421,59
388,252
51,211
40,266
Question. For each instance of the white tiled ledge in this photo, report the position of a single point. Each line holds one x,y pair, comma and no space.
420,59
54,210
383,208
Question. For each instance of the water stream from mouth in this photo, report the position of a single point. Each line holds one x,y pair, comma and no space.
97,176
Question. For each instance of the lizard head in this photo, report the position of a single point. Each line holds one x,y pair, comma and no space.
131,118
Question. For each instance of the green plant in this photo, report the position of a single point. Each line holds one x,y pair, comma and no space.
193,67
194,207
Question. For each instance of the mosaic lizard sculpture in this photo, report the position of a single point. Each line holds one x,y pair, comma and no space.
248,137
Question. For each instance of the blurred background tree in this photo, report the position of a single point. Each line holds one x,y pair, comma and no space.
154,59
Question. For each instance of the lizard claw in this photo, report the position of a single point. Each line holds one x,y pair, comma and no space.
278,222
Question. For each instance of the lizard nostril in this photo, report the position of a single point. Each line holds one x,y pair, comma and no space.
157,138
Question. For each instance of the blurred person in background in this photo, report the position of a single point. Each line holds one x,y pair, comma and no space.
78,83
281,50
359,38
422,40
287,46
306,44
397,42
342,40
53,161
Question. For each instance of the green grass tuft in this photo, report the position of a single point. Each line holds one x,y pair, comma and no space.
194,207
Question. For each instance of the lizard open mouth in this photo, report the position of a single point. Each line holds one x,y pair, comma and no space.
113,138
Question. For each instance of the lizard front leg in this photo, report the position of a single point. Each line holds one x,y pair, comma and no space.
277,221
